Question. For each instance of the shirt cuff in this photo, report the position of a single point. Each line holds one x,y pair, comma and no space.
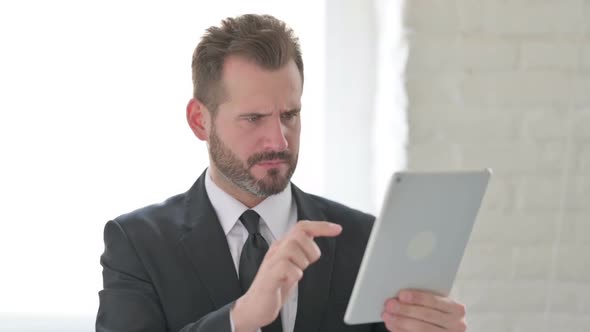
231,322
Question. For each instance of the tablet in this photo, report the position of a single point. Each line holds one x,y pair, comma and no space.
418,239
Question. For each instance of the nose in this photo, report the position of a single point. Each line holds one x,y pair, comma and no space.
275,138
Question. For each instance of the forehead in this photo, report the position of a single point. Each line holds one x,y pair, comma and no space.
247,83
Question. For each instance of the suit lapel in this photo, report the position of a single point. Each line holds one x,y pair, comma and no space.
206,246
314,287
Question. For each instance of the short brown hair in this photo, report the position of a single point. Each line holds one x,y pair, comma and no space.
264,39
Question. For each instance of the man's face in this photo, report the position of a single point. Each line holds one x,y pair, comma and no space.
254,137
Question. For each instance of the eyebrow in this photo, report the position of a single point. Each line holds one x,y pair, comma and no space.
262,114
293,111
256,114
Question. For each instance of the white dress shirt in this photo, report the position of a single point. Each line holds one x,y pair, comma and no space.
278,213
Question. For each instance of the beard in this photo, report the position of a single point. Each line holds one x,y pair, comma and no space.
234,171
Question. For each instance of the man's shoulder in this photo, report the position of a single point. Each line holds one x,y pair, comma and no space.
170,212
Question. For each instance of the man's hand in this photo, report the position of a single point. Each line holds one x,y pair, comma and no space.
279,273
414,311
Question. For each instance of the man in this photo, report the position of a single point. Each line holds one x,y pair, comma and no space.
244,249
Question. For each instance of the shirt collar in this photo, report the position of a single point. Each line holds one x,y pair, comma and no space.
274,210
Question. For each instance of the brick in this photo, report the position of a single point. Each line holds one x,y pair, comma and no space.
574,228
520,89
572,264
532,263
512,230
487,54
503,296
459,125
552,322
540,193
486,262
567,297
546,55
432,156
514,157
585,61
545,123
444,55
534,18
580,157
581,123
577,193
426,88
583,292
432,16
471,15
487,322
580,94
582,222
431,54
500,196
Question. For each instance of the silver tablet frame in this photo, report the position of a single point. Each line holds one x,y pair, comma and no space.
419,238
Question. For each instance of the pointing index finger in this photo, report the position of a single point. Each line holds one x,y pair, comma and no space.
319,228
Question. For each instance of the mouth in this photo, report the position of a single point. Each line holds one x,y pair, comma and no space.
271,163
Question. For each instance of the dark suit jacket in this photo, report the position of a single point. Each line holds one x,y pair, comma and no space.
167,267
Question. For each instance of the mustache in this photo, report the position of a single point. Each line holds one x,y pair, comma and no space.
269,155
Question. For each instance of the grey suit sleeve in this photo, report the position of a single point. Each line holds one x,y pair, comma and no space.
217,320
129,302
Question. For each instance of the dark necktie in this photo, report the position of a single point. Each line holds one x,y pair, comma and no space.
252,254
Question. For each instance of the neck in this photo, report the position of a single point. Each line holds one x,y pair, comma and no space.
241,195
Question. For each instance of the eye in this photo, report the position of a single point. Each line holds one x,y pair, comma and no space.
252,118
290,115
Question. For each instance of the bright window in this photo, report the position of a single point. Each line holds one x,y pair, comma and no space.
92,102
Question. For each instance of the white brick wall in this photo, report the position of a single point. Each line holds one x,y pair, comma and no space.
506,84
586,57
550,55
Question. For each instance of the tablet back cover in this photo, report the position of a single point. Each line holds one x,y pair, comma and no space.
418,240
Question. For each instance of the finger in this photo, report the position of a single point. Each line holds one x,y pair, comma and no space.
293,251
401,323
388,320
286,273
306,243
319,228
427,299
273,248
424,314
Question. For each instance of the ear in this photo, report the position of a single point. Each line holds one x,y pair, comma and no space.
198,118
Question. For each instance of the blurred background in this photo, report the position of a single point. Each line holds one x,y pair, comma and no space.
92,102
